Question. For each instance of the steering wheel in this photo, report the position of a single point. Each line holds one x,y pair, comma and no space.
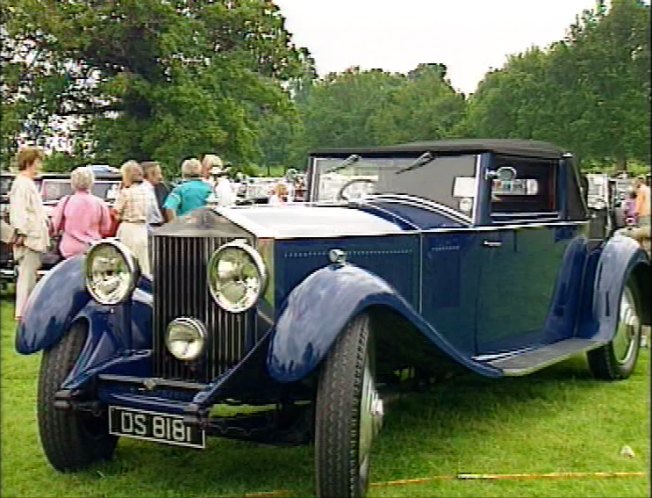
340,192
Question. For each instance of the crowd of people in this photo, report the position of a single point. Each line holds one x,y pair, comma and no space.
637,205
143,202
637,213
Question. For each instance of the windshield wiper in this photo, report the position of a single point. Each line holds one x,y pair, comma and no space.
353,158
422,160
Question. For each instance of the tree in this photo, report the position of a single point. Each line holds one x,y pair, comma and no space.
360,108
589,92
423,107
143,79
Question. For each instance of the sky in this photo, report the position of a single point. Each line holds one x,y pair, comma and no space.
469,36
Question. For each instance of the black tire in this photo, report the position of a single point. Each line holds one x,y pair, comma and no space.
71,441
346,383
617,359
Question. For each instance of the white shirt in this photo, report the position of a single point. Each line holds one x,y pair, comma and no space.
275,200
26,213
153,212
224,193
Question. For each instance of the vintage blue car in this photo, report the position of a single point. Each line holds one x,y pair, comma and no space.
289,324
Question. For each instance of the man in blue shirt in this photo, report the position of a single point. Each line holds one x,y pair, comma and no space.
191,194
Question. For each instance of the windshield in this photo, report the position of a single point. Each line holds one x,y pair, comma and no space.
448,180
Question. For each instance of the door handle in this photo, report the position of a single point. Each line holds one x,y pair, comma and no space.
492,243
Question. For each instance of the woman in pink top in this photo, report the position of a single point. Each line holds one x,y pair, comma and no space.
81,217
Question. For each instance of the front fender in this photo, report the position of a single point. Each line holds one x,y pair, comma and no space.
604,281
60,299
317,310
53,305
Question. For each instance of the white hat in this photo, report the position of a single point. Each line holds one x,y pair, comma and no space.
219,171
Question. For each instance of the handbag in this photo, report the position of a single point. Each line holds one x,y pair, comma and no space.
53,255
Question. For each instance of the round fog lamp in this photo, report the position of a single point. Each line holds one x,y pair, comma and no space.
185,338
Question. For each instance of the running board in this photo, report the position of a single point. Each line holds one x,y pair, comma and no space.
535,359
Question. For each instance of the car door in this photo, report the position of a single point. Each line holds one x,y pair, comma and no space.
523,244
451,272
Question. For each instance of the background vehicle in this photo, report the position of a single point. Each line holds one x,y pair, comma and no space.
407,261
7,264
619,189
600,206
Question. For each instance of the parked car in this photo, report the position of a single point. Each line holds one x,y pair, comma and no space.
455,255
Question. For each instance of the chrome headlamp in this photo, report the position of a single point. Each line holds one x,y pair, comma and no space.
236,276
185,338
112,272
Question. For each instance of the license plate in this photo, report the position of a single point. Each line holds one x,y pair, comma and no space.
152,426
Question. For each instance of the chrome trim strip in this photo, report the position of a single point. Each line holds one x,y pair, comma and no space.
478,167
159,382
471,229
388,212
421,202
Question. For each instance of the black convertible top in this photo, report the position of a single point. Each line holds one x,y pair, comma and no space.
511,147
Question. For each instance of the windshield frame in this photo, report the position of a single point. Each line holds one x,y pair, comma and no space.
318,164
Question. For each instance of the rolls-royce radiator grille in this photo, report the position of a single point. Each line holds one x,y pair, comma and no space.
180,289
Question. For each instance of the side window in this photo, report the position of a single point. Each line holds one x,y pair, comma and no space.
523,186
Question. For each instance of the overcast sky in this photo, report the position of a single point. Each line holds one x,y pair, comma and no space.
468,36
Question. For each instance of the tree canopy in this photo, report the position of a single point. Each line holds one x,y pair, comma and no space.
148,78
589,92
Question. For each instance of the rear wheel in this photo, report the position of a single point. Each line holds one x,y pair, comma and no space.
348,414
71,440
617,359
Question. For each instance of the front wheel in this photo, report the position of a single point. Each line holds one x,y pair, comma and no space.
616,360
71,440
348,413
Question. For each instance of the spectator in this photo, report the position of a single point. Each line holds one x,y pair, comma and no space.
81,217
280,195
29,221
154,181
191,194
224,191
290,182
132,208
642,207
208,162
629,209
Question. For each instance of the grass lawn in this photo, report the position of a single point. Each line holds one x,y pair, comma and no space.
557,420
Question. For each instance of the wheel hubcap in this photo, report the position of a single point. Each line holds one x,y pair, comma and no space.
371,420
628,328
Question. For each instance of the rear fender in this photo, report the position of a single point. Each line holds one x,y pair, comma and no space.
620,258
318,309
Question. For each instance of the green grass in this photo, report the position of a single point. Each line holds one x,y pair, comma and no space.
558,420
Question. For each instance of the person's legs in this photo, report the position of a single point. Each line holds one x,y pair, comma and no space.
28,263
135,237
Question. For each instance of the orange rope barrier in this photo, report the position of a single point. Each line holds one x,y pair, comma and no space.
471,477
